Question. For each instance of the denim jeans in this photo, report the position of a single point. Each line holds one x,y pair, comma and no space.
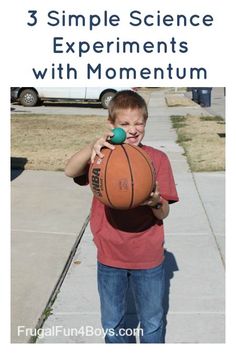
148,290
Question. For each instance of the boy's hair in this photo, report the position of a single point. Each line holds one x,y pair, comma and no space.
126,99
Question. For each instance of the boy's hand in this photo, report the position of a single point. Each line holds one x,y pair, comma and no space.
99,144
154,198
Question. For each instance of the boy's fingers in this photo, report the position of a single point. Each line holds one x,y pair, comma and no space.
96,153
98,147
109,135
109,146
92,157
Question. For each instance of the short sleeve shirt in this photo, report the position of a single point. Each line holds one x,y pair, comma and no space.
134,238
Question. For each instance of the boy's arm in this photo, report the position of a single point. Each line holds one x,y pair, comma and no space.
76,165
163,211
160,206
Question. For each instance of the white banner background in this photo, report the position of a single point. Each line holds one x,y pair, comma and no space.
24,47
28,47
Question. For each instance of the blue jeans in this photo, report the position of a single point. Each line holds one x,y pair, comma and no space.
148,290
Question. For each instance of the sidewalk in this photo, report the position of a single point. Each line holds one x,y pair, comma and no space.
46,218
194,299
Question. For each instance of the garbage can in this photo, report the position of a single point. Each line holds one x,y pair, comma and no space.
195,95
204,96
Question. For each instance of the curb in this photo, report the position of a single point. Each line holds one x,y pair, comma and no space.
47,310
174,100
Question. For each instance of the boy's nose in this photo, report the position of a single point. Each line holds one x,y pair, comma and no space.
132,130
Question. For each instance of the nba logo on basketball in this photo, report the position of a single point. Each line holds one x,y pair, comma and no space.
96,181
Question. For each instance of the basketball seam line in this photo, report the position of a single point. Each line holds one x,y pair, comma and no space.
131,175
151,170
105,177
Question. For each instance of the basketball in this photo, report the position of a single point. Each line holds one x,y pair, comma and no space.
124,178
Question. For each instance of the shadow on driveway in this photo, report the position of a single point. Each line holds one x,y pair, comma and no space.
17,166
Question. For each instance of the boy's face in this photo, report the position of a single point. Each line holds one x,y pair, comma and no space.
133,122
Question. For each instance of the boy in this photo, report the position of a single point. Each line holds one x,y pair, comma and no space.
129,242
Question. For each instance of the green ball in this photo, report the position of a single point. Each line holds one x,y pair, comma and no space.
119,136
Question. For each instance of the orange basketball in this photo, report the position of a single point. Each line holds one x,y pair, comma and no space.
124,178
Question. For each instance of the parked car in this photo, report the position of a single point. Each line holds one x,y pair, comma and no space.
31,96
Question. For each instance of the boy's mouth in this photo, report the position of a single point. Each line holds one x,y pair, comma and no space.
133,138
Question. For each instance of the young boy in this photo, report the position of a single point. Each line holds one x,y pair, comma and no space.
129,242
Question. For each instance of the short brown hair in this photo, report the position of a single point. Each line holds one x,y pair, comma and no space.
126,99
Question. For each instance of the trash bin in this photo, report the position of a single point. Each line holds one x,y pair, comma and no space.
204,96
195,95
